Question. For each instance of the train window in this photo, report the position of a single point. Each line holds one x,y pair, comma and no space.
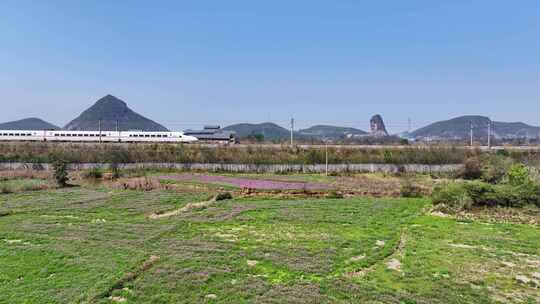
104,135
159,135
86,135
92,135
153,135
55,134
165,135
68,135
147,136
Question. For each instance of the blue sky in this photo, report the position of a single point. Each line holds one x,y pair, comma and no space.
189,63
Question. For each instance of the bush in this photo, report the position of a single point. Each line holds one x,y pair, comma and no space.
453,196
462,196
495,168
472,168
223,196
115,171
409,189
5,189
518,175
140,184
60,172
94,173
334,195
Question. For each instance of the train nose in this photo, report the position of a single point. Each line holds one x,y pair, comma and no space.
191,138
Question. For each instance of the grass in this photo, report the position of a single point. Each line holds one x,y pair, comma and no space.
93,245
21,185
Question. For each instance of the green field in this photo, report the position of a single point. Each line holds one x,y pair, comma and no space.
94,245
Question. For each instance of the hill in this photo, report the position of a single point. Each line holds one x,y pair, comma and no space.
270,131
330,132
459,128
111,110
28,124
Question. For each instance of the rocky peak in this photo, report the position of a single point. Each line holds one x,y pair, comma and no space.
377,126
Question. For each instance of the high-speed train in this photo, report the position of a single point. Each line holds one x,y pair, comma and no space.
95,136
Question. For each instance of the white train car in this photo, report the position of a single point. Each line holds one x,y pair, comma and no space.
95,136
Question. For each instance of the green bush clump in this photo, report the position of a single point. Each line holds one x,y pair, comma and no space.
334,195
472,168
93,173
518,175
409,189
458,196
60,172
223,196
451,197
5,189
495,167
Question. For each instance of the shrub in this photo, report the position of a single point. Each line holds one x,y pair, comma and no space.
451,196
140,184
223,196
472,168
495,168
115,171
93,173
5,189
60,172
462,196
409,189
518,175
334,195
503,152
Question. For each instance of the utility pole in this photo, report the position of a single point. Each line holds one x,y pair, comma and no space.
99,128
326,156
292,131
472,142
118,129
489,135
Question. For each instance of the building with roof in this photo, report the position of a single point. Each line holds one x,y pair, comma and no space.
213,134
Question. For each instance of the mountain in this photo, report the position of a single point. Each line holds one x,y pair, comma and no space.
459,128
269,130
28,124
111,110
330,132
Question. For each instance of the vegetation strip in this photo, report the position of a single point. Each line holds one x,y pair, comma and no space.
398,248
128,278
191,206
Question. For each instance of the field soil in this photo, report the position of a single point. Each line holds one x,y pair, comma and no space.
91,244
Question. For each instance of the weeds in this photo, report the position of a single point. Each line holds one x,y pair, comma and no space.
140,184
111,153
60,173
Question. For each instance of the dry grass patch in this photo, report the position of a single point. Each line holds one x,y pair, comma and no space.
140,184
24,174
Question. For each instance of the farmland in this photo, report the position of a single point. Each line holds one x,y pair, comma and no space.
112,242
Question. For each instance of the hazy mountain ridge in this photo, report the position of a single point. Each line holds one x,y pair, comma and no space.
459,128
330,132
112,111
31,123
272,131
269,130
